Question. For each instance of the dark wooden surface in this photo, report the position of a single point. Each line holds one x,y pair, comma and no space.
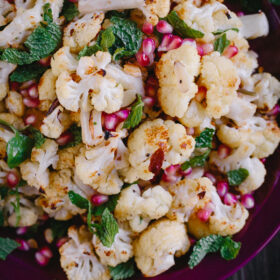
265,266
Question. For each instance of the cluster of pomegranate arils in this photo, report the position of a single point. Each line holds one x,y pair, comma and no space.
146,55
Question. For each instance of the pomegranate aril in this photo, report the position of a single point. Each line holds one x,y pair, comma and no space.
123,114
27,84
248,201
222,188
30,119
31,102
46,61
204,214
211,177
41,259
166,40
21,230
14,86
263,160
172,174
142,59
230,51
164,27
46,251
24,92
201,94
61,241
186,172
152,81
148,28
33,91
190,130
192,240
150,90
240,14
65,138
170,178
149,101
12,179
48,234
99,199
223,151
274,111
149,46
110,121
172,169
230,199
176,42
23,244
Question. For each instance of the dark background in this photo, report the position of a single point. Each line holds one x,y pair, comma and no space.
265,266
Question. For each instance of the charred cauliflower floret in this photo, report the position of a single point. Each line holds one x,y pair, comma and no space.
78,259
80,32
120,251
35,171
139,209
219,76
176,71
5,70
157,137
158,244
46,86
14,103
66,157
13,120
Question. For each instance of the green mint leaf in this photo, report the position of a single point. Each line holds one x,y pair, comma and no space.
47,13
219,32
1,218
127,36
124,14
3,192
110,205
107,229
204,140
78,200
221,43
181,28
7,245
59,228
135,115
89,51
205,245
121,52
17,207
230,248
107,39
37,137
237,176
275,2
27,73
123,270
16,56
197,161
69,10
22,183
77,133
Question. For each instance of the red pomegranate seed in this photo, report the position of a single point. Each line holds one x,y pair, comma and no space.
204,49
41,259
23,245
33,91
152,81
48,234
151,58
166,40
201,94
274,111
164,27
14,86
204,214
172,169
46,61
149,101
61,241
143,59
263,160
230,51
186,172
240,14
98,199
123,114
46,251
12,179
222,188
111,121
27,84
148,28
31,102
170,178
211,177
176,42
172,174
149,46
192,240
65,138
156,161
230,199
248,201
24,92
30,119
21,230
223,151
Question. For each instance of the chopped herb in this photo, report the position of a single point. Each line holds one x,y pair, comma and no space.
89,51
69,10
204,140
236,177
77,133
110,205
197,161
219,32
123,270
107,39
230,249
47,13
7,245
221,43
78,200
37,137
135,115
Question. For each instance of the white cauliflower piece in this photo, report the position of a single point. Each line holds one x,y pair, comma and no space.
63,60
13,120
35,171
5,70
151,136
6,135
78,259
120,251
156,247
78,33
46,86
220,77
14,103
140,210
7,12
267,90
96,166
254,26
176,71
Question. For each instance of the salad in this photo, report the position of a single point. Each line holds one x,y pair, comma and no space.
132,132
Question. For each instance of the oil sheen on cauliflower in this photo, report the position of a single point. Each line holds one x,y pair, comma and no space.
158,244
176,71
151,136
77,257
139,209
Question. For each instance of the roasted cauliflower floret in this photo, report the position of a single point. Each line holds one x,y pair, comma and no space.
66,157
267,90
78,259
14,103
165,137
176,71
120,251
46,86
7,12
5,70
139,209
35,171
158,244
96,166
13,120
220,77
79,33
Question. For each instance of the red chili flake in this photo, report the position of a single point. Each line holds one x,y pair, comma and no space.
156,161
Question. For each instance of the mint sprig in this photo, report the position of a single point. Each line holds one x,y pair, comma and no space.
7,245
221,43
110,205
123,270
219,31
197,161
237,176
204,140
37,136
135,115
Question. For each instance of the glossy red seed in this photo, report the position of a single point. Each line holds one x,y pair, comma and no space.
23,245
230,199
263,160
33,91
14,86
166,40
99,199
164,27
65,138
142,59
211,177
248,201
148,28
46,61
274,111
12,179
123,114
41,259
46,251
30,119
222,188
31,102
156,161
111,121
27,84
148,46
21,230
230,51
61,241
223,151
149,101
204,214
176,42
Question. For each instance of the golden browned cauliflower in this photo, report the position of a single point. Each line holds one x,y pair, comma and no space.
5,70
13,120
77,257
152,137
176,71
158,244
14,103
66,157
139,209
46,86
